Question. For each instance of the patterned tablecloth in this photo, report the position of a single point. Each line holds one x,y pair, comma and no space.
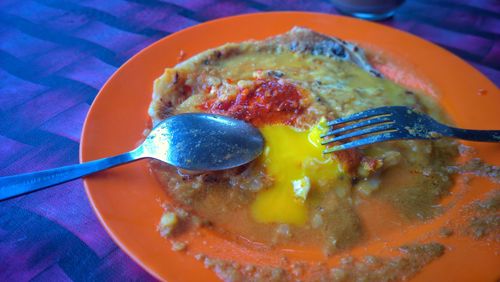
54,57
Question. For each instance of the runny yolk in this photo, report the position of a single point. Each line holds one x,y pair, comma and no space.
295,161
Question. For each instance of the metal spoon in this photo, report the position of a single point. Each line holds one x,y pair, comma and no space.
193,141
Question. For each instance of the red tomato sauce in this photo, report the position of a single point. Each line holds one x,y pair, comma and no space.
269,102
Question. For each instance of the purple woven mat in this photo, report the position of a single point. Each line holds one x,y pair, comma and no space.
54,57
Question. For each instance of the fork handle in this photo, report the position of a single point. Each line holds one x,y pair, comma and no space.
474,135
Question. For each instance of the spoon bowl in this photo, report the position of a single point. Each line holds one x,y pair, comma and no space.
203,142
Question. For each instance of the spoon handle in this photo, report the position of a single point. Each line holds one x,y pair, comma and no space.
16,185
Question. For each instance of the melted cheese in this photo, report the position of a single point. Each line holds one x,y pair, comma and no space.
343,85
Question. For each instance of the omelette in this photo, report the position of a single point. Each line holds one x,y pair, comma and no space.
289,86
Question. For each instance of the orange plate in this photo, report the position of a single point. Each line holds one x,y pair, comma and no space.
127,199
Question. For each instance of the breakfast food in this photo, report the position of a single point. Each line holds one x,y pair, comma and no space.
289,86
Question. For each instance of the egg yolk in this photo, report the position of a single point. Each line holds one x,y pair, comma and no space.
294,159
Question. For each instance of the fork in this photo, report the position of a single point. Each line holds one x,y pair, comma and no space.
394,123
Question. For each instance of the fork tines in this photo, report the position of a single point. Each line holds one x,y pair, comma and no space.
371,126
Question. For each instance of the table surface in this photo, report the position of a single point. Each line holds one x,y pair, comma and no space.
54,57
